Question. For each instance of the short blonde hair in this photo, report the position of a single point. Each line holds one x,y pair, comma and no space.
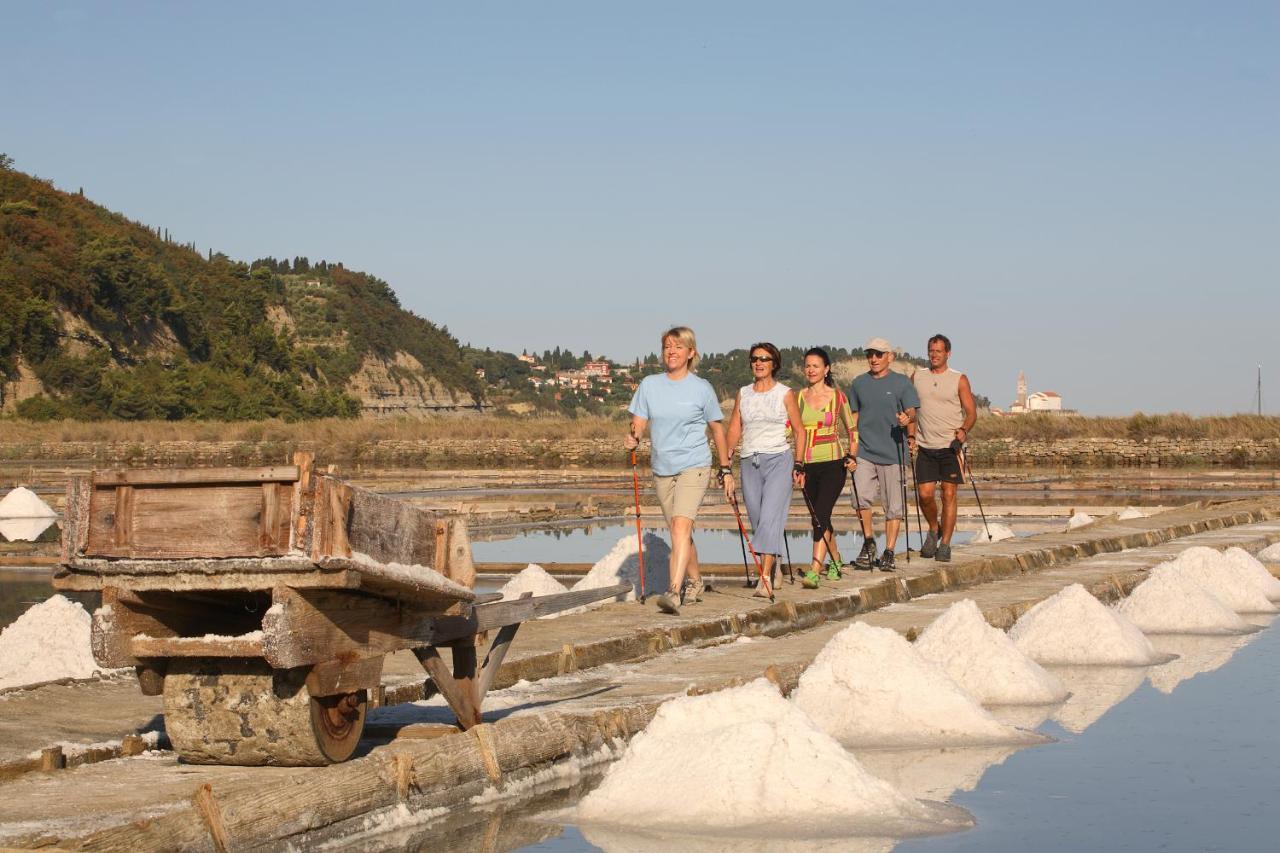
683,335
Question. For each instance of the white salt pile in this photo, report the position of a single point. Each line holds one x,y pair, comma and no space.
869,687
745,761
1073,627
49,641
997,531
24,529
1271,553
984,661
21,502
1079,519
533,578
1238,590
622,565
1131,512
1171,602
1252,566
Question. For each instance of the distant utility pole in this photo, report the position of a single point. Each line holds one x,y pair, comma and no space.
1259,390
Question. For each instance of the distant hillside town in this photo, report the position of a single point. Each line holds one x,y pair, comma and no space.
1048,402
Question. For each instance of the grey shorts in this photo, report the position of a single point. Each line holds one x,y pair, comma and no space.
681,494
879,484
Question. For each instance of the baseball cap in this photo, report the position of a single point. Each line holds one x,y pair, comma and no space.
878,344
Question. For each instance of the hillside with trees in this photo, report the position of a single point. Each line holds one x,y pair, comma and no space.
105,318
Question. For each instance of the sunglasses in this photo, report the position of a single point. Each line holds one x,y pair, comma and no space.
875,353
756,359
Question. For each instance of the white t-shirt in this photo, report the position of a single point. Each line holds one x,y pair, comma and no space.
764,419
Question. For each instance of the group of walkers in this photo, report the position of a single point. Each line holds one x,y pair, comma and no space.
812,439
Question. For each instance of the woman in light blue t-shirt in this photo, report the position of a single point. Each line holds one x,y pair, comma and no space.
677,406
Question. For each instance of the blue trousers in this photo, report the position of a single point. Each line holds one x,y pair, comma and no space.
766,490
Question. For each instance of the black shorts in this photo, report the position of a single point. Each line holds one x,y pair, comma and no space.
938,466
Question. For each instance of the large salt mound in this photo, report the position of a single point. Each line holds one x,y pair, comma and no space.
1238,590
1252,566
745,761
1073,627
622,565
532,579
1129,513
1271,553
1079,519
869,687
49,641
1171,602
984,661
21,502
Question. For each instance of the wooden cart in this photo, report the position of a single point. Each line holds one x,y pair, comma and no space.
261,603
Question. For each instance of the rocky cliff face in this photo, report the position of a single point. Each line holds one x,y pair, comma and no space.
401,386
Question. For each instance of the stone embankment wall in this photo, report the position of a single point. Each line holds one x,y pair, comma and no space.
601,452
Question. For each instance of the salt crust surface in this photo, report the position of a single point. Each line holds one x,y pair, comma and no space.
21,502
622,565
1073,627
49,641
983,660
1271,553
1171,602
1252,566
420,576
1239,590
1079,519
744,761
869,687
535,579
1131,512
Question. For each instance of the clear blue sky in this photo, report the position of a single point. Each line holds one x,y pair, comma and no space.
1087,191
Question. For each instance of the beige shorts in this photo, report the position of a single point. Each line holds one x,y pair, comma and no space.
681,494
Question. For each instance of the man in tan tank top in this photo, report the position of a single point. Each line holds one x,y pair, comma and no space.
947,413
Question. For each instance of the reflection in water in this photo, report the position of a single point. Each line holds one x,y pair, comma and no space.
1027,717
1197,653
619,841
1094,691
26,529
934,774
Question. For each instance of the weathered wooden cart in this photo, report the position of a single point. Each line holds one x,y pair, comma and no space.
261,603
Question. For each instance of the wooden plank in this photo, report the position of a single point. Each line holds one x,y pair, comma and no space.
493,660
457,687
199,581
499,613
195,565
418,584
273,526
306,627
116,623
195,476
177,522
301,503
395,531
122,529
331,520
208,646
333,678
75,522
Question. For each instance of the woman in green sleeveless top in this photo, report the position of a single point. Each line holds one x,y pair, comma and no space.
826,419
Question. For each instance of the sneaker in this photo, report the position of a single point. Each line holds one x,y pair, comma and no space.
760,592
886,561
867,557
930,545
809,580
833,570
693,591
944,553
668,603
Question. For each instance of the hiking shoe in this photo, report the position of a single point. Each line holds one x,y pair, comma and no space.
693,591
833,570
867,556
761,592
886,561
668,603
809,580
930,545
944,553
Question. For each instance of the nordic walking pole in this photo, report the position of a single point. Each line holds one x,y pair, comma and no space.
915,481
902,481
733,501
791,570
742,542
635,483
964,459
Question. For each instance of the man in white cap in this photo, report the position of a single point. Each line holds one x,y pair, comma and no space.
884,405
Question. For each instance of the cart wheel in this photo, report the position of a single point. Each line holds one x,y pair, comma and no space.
241,711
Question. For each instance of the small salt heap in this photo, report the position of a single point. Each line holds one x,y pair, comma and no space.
1271,553
48,642
21,502
1079,519
997,530
745,761
1171,602
984,661
1131,512
1238,590
869,687
1252,566
622,565
532,579
1073,627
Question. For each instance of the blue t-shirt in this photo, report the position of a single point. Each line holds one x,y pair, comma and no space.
877,402
678,413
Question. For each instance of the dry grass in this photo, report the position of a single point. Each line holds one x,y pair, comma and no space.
1137,427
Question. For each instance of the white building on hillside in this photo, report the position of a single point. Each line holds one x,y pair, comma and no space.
1044,401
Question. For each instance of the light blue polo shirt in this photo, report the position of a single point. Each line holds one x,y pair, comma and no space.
678,413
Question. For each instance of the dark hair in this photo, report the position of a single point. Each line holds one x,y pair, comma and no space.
826,360
773,354
941,339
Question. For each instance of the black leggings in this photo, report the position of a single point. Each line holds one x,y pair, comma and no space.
823,483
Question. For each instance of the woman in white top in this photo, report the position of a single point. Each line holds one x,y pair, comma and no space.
761,414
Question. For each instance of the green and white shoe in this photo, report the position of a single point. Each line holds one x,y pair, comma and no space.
834,570
809,580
